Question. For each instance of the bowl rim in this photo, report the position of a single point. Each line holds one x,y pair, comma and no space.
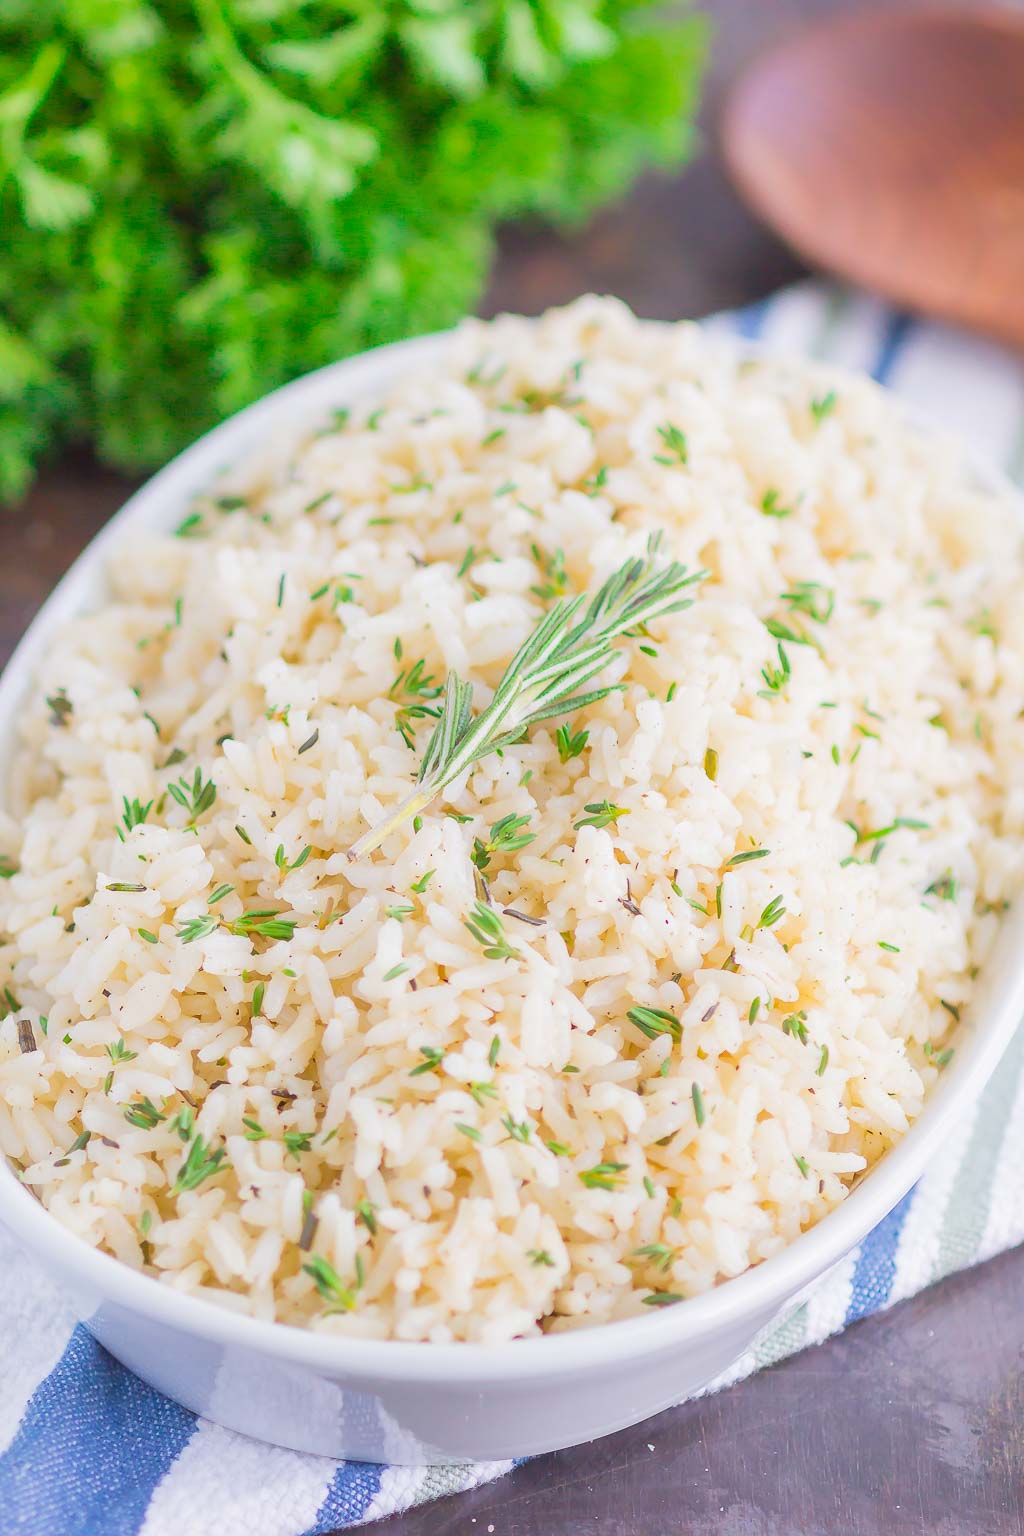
753,1297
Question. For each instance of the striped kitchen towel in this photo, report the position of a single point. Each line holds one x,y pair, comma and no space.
87,1450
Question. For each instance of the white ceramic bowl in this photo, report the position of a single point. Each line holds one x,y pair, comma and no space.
398,1402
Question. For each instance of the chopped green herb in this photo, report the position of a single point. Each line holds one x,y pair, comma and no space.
414,686
772,913
812,598
601,813
904,822
780,631
118,1052
518,1129
698,1104
60,707
198,928
982,624
745,858
134,815
823,406
603,1175
144,1114
945,887
195,797
339,1297
653,1022
182,1122
570,744
268,924
199,1164
660,1254
557,578
486,927
776,678
286,866
675,444
506,836
772,506
795,1024
400,912
432,1061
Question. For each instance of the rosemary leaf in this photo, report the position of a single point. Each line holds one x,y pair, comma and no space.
548,675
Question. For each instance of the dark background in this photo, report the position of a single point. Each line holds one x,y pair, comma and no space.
909,1423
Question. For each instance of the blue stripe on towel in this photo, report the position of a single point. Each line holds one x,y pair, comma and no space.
118,1435
875,1270
353,1488
898,329
749,321
876,1263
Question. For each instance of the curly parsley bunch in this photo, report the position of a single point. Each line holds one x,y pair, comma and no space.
201,198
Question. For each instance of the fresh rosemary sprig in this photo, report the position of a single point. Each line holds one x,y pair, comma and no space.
569,646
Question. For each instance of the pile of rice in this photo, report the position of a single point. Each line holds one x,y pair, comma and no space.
383,1132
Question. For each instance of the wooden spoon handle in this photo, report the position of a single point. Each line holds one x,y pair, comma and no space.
889,147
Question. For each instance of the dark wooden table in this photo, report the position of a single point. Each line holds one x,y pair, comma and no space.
909,1423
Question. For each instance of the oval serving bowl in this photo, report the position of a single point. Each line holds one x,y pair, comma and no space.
417,1402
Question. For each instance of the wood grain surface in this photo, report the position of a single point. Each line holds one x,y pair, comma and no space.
909,1424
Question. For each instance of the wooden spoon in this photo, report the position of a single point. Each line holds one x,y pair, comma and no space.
889,147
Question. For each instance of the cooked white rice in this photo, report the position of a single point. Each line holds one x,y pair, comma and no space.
260,649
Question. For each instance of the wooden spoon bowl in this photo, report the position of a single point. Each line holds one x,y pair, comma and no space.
889,147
